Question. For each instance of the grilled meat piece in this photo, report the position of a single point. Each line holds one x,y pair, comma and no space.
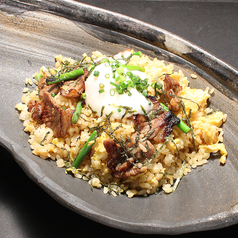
43,87
55,117
155,102
127,169
36,109
158,128
114,152
74,88
149,129
173,87
47,111
121,169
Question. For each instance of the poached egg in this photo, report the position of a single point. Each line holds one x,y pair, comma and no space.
103,99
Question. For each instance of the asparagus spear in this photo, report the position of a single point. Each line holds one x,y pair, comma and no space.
77,112
87,147
181,124
66,76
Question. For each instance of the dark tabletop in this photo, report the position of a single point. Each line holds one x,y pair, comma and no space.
26,210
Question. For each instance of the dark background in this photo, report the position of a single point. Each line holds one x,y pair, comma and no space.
26,210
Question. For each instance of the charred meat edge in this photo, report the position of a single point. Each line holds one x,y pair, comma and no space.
47,111
55,117
74,88
159,128
172,87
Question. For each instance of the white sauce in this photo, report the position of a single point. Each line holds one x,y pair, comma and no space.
111,103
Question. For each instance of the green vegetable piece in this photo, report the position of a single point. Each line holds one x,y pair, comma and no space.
182,126
37,77
101,85
120,79
120,70
63,77
96,73
84,95
87,147
77,112
107,76
139,53
133,67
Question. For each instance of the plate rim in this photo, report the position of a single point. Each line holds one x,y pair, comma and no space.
222,70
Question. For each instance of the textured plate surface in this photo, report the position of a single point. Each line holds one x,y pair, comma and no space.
32,33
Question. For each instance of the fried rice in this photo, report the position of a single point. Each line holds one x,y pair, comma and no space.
178,155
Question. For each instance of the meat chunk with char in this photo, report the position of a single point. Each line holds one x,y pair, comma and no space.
156,104
121,168
148,130
159,128
172,87
74,88
69,89
55,117
44,87
35,108
127,169
47,111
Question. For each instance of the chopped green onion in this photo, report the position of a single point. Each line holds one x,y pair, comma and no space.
112,91
53,95
164,107
155,85
139,53
84,95
114,84
129,73
77,112
133,67
120,70
101,90
144,93
96,73
101,85
63,77
182,126
107,76
91,67
87,147
37,77
120,79
105,60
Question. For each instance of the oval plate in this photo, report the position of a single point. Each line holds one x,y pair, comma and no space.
33,32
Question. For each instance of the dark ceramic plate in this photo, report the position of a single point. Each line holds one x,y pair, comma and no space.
33,32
